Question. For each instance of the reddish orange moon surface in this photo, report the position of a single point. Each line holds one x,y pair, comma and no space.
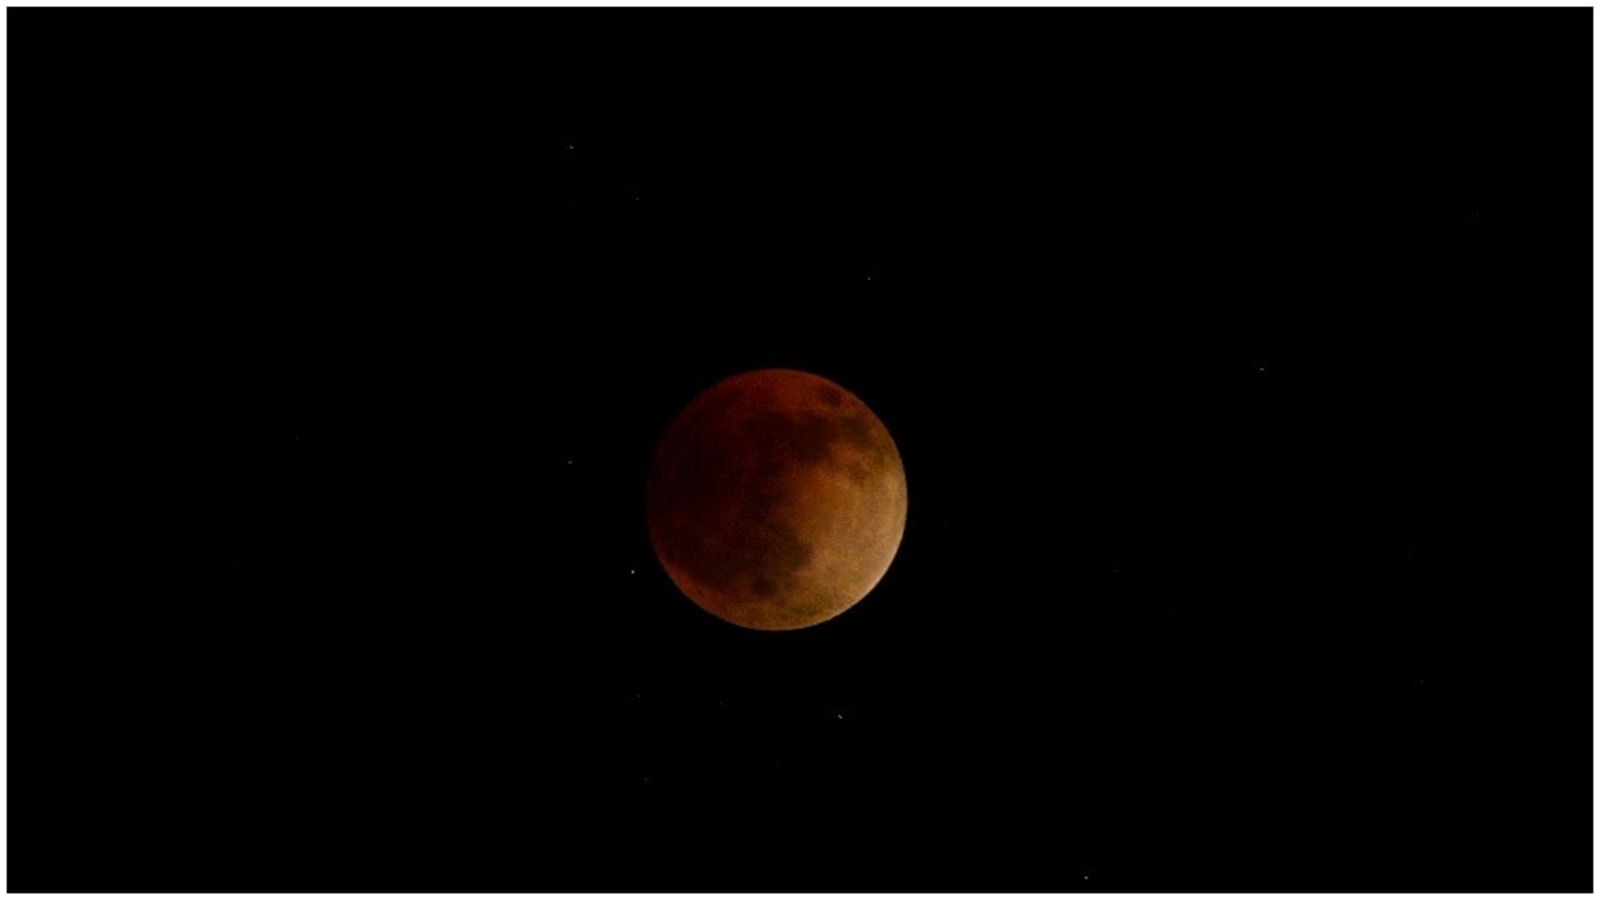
776,500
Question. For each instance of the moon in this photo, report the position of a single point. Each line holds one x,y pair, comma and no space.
776,500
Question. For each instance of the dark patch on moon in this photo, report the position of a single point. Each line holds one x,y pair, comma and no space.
745,491
858,431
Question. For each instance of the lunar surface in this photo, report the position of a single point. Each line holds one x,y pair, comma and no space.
776,500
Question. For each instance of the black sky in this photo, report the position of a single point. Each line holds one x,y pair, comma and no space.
1239,361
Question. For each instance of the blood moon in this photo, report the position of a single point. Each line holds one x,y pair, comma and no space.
776,500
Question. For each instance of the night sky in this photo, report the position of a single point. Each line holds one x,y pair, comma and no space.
1239,362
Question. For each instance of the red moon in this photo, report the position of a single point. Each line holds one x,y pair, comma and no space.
776,500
